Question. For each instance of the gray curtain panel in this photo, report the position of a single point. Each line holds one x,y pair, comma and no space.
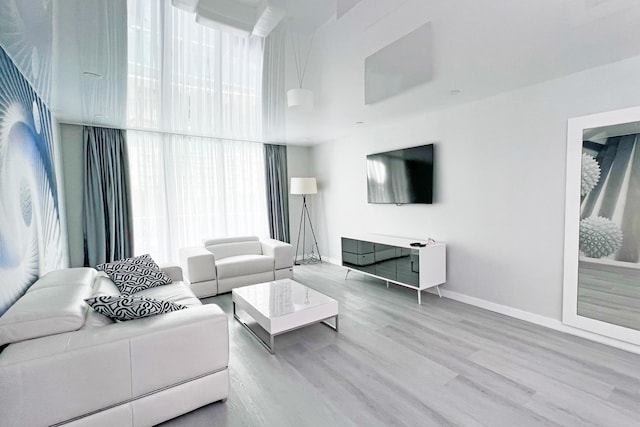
275,157
107,221
274,90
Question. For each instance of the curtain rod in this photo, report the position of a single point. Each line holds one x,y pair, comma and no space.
168,133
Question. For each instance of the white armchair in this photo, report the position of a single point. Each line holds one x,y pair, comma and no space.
223,264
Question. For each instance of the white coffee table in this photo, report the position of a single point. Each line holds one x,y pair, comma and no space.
282,306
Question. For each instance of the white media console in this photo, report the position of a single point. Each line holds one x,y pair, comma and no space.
394,260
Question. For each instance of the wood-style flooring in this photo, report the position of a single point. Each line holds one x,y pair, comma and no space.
395,363
609,294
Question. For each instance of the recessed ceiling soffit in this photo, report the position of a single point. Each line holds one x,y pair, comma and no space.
248,17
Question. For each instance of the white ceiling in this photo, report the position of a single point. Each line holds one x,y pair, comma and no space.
303,16
30,49
479,48
90,62
74,52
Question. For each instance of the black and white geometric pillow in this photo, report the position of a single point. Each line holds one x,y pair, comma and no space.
131,307
135,274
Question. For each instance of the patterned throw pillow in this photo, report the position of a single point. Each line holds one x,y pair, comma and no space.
131,307
135,274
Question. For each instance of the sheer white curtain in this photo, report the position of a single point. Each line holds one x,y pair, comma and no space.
273,87
194,96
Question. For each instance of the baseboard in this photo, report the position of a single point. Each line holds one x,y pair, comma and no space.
536,319
332,261
329,260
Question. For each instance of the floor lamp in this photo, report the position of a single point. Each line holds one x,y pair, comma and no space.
304,187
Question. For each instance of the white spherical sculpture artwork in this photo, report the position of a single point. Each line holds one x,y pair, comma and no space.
590,174
599,237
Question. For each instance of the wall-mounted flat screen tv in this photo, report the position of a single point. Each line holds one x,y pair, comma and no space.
401,176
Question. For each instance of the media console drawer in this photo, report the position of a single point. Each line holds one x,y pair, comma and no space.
394,259
355,259
356,246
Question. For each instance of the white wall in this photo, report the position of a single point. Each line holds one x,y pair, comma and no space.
299,164
500,183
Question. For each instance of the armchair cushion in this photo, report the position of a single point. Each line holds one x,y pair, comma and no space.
281,252
226,250
222,240
174,272
135,274
198,264
131,307
229,262
242,265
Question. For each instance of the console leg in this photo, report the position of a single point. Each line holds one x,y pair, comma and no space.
387,285
438,289
419,297
346,275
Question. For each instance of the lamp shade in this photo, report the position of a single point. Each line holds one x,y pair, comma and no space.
303,186
300,99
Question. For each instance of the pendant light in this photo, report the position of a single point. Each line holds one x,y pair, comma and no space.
299,98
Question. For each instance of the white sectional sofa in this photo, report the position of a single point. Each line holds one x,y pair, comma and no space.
223,264
67,364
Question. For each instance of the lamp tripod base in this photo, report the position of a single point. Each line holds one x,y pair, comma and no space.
313,257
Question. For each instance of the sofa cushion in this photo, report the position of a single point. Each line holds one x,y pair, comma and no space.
243,265
66,277
102,286
131,307
176,292
227,250
45,311
96,320
135,274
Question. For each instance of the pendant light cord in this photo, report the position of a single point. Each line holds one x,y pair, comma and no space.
301,69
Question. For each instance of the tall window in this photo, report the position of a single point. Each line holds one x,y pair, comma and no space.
194,96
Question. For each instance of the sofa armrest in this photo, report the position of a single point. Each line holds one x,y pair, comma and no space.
43,383
173,271
280,251
198,263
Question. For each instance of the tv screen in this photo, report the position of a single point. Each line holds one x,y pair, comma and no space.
401,176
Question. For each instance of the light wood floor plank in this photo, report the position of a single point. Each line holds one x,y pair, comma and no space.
395,363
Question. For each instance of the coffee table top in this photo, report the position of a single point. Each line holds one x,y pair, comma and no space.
281,306
281,298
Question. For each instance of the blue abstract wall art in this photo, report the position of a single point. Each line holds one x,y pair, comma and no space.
31,239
